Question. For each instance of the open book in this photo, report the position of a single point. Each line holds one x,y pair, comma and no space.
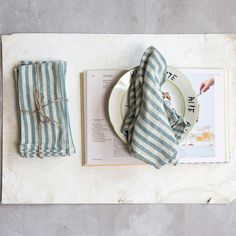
206,143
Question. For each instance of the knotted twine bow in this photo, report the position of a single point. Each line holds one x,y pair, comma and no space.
43,118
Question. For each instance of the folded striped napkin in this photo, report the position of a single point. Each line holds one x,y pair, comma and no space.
152,128
42,106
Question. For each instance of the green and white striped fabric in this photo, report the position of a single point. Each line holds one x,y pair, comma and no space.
152,128
42,106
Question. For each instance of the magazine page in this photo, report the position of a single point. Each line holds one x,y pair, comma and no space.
206,142
102,146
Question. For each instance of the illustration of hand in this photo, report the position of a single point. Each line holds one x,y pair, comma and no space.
205,85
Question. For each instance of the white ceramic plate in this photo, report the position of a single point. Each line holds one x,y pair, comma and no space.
183,99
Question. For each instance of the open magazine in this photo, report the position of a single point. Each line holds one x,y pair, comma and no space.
207,142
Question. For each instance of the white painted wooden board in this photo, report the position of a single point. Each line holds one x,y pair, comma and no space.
64,180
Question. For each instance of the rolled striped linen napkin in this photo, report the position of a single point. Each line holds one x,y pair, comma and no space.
42,105
152,128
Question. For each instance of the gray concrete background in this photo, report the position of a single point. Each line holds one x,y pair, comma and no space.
118,16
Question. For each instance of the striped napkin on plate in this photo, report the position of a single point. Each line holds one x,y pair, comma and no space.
152,128
42,106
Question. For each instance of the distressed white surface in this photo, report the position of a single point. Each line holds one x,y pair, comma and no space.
64,180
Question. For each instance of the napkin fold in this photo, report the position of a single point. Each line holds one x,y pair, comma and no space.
42,107
152,128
